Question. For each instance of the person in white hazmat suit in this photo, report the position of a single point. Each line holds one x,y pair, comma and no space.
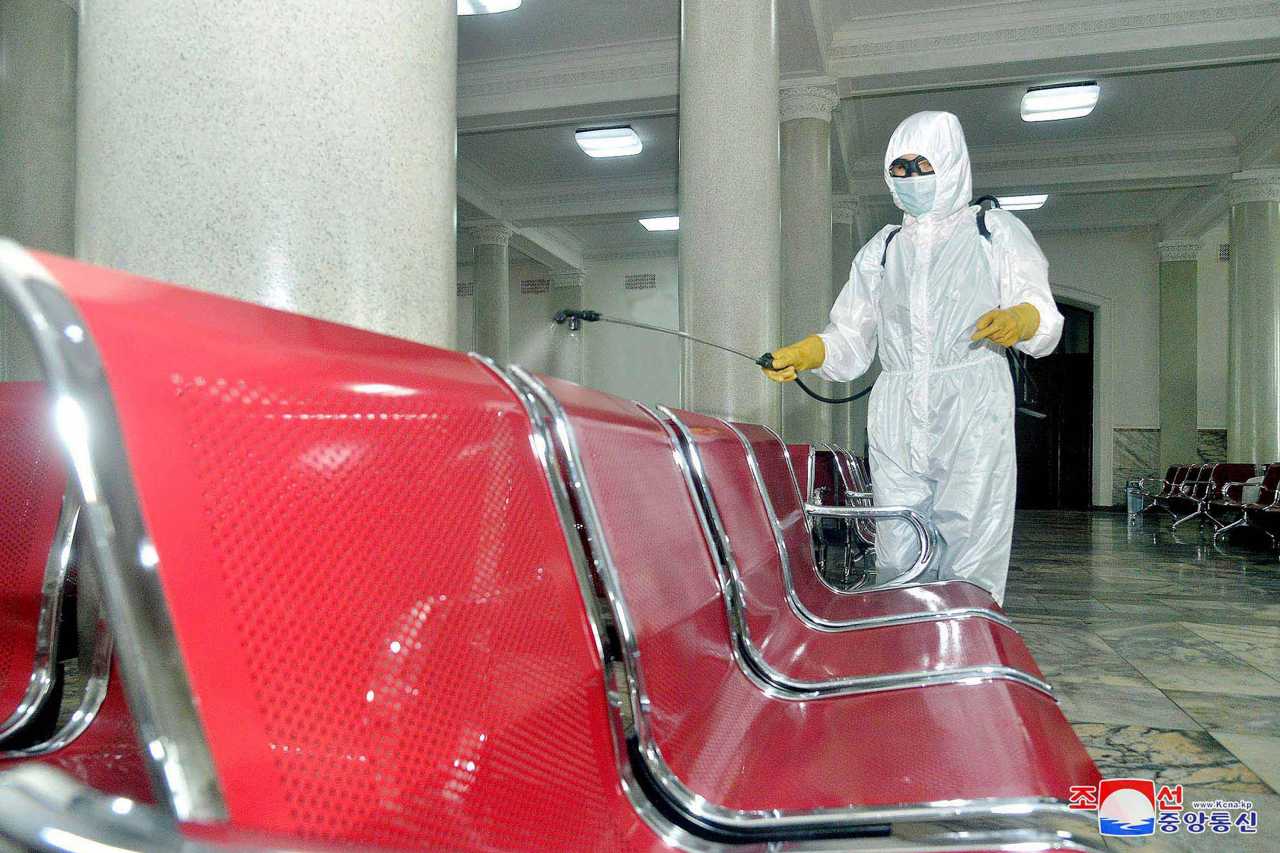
941,301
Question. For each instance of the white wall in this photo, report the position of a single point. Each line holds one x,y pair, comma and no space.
1211,320
1116,274
633,363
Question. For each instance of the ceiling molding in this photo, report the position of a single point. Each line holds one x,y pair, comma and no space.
556,200
596,75
479,188
634,252
1258,126
821,30
554,248
1002,31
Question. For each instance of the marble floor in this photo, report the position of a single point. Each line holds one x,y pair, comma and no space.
1165,655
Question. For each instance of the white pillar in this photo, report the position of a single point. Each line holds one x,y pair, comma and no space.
37,146
805,134
729,204
1253,404
566,344
492,276
297,153
1179,435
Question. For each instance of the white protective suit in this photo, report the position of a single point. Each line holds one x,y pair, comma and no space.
941,417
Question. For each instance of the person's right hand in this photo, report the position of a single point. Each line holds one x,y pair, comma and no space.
807,354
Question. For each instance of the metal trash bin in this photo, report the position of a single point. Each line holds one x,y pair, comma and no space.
1135,500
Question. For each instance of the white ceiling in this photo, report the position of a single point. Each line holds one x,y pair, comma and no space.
532,155
1190,94
1178,101
543,26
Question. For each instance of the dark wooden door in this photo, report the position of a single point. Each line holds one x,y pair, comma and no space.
1055,434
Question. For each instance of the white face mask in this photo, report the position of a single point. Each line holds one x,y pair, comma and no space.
916,193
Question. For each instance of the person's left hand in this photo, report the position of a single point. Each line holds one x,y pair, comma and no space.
1007,326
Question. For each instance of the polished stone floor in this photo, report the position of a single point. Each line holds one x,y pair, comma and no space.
1165,655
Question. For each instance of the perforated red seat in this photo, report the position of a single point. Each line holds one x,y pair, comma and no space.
804,650
370,654
788,508
32,483
738,746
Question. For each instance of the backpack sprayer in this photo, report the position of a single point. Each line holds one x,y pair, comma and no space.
576,317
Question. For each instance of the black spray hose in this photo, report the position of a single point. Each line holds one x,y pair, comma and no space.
575,318
766,361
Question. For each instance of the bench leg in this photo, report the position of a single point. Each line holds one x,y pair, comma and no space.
1225,530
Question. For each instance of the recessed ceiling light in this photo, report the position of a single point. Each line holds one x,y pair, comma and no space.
486,7
1023,202
609,142
1064,100
661,223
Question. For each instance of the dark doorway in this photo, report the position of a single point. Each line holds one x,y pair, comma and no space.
1055,452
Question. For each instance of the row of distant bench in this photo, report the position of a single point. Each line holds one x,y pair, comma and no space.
343,591
1228,496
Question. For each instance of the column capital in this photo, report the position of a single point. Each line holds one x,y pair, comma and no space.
489,234
844,209
567,278
1254,185
795,102
1178,250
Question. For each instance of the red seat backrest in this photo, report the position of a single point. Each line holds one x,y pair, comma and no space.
825,477
1270,484
1229,472
745,517
32,482
798,459
369,583
784,497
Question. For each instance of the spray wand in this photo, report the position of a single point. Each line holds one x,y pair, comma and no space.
576,317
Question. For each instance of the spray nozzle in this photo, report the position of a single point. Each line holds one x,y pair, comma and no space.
766,361
575,317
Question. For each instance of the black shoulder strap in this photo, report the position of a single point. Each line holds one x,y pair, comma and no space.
982,213
884,259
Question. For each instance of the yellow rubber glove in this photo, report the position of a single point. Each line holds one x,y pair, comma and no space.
802,355
1008,326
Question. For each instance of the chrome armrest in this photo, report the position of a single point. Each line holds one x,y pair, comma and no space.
1225,489
1143,482
925,532
48,810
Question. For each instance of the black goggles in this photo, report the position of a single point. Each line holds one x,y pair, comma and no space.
906,168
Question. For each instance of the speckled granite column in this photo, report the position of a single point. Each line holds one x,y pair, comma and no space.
1179,437
37,146
806,245
1253,401
297,153
492,277
729,204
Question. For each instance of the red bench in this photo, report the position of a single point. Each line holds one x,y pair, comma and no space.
318,641
359,604
770,764
864,655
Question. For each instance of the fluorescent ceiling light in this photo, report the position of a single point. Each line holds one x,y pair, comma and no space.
609,142
1066,100
661,223
1023,202
486,7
